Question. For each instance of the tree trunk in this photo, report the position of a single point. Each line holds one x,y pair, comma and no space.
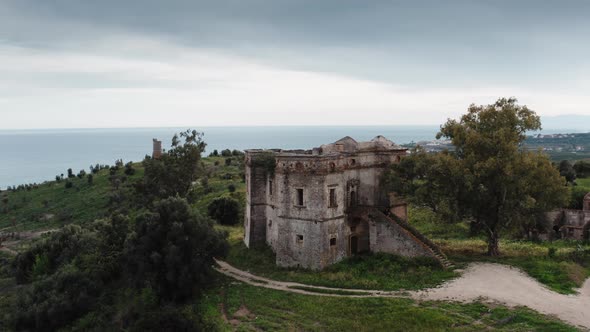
493,244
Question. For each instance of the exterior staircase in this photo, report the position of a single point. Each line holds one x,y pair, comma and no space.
375,214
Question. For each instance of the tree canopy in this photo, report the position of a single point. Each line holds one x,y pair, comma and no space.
175,171
488,178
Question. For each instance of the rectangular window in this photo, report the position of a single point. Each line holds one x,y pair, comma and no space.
333,198
270,187
299,239
332,242
300,197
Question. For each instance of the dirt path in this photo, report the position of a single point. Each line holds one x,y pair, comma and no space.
8,246
480,281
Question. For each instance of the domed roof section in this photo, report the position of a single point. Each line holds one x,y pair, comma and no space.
350,145
345,144
379,143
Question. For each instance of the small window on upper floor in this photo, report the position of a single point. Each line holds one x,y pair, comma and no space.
300,197
352,162
332,167
332,242
333,202
299,239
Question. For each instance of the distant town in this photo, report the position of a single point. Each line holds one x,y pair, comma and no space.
571,146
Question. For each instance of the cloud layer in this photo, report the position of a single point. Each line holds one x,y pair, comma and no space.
179,63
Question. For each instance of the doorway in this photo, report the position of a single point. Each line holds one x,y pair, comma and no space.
354,245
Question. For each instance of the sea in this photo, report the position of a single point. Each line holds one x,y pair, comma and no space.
35,156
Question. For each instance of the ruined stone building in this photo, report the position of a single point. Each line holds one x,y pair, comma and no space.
316,207
571,224
157,149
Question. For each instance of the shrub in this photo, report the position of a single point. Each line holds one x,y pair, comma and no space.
70,173
90,179
224,210
172,250
231,188
129,170
227,161
226,153
81,174
69,184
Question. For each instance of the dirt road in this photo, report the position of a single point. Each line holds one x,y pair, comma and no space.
480,281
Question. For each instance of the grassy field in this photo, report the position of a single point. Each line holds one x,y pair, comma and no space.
234,306
584,183
52,205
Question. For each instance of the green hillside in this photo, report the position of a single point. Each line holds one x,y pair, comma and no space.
228,305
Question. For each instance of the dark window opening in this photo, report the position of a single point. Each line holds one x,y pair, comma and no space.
332,167
270,223
352,198
352,162
299,238
333,198
300,197
332,242
270,187
352,229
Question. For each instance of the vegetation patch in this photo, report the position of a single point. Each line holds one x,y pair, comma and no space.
272,310
558,271
371,271
329,291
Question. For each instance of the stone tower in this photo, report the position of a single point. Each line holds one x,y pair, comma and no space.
157,152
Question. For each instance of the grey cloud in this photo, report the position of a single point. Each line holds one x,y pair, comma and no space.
417,42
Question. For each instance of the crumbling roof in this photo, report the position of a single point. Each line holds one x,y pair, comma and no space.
346,144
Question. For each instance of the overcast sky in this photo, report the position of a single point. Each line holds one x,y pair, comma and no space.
144,63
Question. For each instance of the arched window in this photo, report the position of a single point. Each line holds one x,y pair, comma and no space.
332,167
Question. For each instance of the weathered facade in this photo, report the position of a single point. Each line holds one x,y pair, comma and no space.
571,224
157,149
316,207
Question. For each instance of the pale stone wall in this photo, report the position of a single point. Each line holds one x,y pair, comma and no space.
316,234
389,237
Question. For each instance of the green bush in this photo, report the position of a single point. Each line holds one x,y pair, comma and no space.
224,210
172,250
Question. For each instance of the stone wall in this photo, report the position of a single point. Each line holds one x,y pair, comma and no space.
332,181
389,237
568,224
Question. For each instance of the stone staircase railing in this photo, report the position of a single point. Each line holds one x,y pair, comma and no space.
424,241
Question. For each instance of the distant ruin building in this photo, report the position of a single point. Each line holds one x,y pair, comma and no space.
316,207
157,149
571,224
